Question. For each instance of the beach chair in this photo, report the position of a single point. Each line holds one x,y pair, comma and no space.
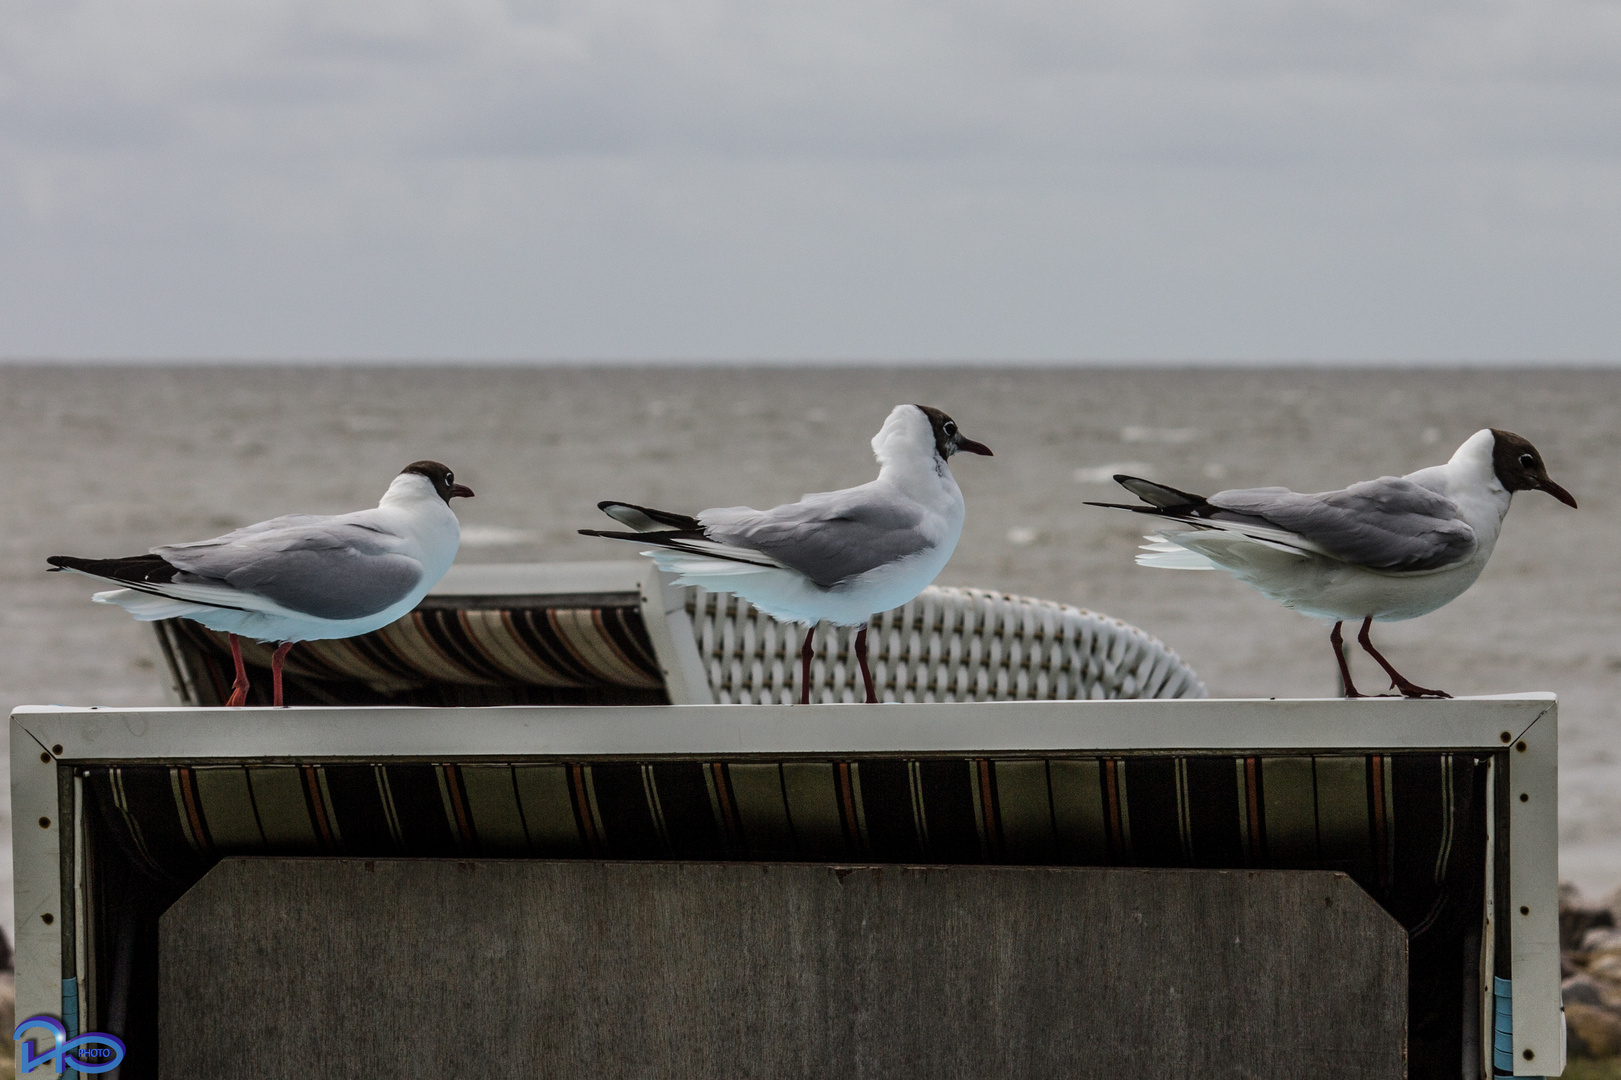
1098,888
1048,856
617,633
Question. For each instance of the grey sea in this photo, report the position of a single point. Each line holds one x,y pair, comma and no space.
112,460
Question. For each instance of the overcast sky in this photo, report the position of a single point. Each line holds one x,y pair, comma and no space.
893,179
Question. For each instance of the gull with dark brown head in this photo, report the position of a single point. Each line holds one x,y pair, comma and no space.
840,556
302,577
1382,550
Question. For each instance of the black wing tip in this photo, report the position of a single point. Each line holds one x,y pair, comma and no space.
668,518
1123,506
1160,496
129,570
665,538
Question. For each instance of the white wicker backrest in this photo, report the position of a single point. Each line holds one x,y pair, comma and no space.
949,644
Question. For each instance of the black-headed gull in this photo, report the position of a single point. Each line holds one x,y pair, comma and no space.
1388,549
841,556
302,577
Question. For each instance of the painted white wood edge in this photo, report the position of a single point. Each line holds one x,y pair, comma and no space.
36,874
1015,727
1487,987
1533,867
675,647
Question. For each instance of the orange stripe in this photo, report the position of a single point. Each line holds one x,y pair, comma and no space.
733,828
312,789
1252,791
193,813
610,644
458,803
1111,788
1379,822
582,805
554,617
847,800
993,836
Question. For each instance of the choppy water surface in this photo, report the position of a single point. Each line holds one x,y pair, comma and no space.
109,461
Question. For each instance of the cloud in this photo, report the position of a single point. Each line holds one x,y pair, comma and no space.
1161,178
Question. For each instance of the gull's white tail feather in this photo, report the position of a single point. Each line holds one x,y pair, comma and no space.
150,607
1167,556
1202,549
704,571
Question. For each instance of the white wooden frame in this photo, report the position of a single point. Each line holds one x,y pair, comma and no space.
43,739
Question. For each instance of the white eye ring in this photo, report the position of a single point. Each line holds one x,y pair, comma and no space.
1526,460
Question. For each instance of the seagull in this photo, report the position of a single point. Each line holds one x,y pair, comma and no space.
302,577
841,556
1388,549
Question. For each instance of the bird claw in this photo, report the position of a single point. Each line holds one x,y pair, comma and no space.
1413,690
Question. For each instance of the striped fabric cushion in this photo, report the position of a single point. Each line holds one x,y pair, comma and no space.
444,653
1393,822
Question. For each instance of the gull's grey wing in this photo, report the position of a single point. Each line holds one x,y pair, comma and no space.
828,538
1385,524
331,568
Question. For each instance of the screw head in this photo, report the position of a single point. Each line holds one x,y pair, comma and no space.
57,749
1529,1054
1524,797
1506,737
45,757
1520,746
45,823
47,918
1524,910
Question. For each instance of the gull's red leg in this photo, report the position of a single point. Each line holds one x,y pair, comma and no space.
1408,689
805,664
239,689
276,659
866,673
1338,642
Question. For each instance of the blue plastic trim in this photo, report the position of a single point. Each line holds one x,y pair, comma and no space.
70,1006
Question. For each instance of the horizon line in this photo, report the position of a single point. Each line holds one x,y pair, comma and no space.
1365,363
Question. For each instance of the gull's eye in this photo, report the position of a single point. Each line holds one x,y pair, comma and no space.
1527,461
450,477
950,427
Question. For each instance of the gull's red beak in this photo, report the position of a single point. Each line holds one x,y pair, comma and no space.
462,491
973,447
